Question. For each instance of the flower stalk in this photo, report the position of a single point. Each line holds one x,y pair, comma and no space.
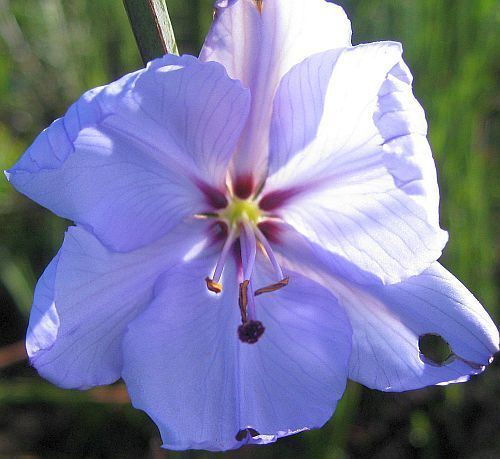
152,28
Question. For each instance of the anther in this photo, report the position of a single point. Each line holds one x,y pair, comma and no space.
213,286
250,331
205,215
259,4
243,300
273,287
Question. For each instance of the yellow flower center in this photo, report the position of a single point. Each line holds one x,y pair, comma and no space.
239,210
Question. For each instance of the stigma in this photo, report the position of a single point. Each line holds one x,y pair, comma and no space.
244,239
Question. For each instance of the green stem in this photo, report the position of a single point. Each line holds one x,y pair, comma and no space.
152,28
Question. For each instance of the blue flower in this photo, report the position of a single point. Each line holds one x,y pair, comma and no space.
252,228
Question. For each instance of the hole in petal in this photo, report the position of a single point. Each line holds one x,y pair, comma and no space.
244,433
434,349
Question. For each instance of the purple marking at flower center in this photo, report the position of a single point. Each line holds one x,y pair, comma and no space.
278,198
271,230
244,186
215,198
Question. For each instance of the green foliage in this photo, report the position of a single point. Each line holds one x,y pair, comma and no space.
53,50
152,28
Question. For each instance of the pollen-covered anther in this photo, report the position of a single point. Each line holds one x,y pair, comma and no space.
273,287
213,286
250,331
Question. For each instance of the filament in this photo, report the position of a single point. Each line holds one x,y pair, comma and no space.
269,251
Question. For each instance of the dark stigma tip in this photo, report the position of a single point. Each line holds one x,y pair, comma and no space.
250,332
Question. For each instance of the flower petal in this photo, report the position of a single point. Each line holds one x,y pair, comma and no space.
355,173
258,45
303,255
44,320
294,376
132,160
84,301
204,388
388,320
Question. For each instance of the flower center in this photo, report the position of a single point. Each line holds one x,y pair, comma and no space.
241,209
242,217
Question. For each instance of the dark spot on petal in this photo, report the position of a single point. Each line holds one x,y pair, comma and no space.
250,332
214,197
244,433
278,198
244,186
271,230
434,349
217,199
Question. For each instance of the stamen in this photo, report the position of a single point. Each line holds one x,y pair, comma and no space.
205,215
243,300
269,251
250,330
213,284
248,249
273,287
248,246
246,303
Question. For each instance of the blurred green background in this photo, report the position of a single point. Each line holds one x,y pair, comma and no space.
53,50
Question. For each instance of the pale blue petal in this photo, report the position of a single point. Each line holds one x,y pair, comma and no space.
387,322
185,366
304,255
350,166
295,374
258,48
299,106
85,299
44,320
55,143
130,161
